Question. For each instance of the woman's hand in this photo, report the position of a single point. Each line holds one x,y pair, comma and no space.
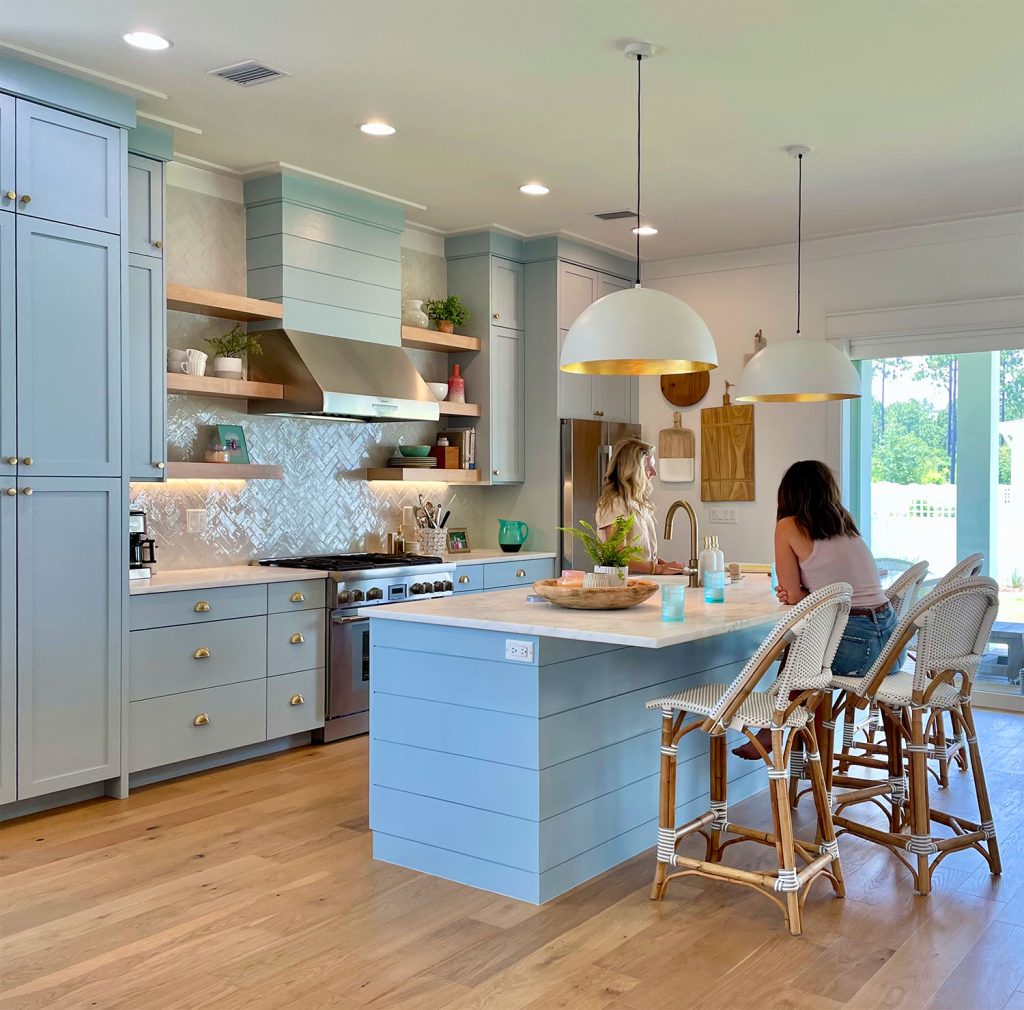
668,568
780,592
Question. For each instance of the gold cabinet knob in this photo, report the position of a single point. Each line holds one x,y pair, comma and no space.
201,720
497,315
496,473
463,580
12,491
27,491
201,653
598,413
297,639
202,607
25,198
520,574
298,598
12,460
160,466
297,699
158,244
28,461
10,194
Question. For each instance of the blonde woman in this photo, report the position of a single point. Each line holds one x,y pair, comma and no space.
627,492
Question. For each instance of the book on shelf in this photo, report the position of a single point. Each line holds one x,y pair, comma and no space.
464,439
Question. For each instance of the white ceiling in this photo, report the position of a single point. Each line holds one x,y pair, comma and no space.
915,109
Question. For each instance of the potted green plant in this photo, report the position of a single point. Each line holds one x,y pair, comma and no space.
611,557
228,350
447,313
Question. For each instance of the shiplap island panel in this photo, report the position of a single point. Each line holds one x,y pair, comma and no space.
528,777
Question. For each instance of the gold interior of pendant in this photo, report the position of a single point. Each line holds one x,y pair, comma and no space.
637,366
794,397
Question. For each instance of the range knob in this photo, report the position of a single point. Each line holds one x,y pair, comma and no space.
375,594
344,596
416,588
357,596
447,587
439,586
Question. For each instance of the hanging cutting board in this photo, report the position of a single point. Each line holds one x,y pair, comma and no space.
727,452
676,451
686,389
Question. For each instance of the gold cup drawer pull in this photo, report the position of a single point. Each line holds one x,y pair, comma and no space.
12,491
297,639
202,607
12,460
298,598
463,580
521,574
201,653
26,199
10,194
201,720
297,699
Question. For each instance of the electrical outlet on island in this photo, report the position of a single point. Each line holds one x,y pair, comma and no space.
518,650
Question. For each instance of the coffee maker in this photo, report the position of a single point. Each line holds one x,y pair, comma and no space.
141,549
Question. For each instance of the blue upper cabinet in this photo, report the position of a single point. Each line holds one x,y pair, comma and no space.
8,349
147,342
68,169
8,194
145,206
68,350
507,294
8,641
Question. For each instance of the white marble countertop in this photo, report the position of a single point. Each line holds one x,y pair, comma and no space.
214,578
747,604
488,555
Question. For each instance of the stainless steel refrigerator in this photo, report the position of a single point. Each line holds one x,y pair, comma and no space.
586,449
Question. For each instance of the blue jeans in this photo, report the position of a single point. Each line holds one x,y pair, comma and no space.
862,642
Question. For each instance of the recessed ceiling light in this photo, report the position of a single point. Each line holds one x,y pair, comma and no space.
377,128
645,229
534,189
147,40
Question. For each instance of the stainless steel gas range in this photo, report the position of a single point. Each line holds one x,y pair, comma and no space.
363,580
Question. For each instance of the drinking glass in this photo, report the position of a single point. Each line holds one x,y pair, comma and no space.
714,587
673,601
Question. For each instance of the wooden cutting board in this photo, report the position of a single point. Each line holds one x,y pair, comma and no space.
686,389
676,450
727,452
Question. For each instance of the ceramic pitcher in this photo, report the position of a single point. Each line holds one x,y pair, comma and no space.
512,535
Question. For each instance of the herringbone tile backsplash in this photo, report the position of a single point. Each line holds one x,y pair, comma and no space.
322,505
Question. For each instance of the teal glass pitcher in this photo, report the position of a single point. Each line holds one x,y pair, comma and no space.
512,535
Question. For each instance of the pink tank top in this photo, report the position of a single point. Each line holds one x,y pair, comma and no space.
844,559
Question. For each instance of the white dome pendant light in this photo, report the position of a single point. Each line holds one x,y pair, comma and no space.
638,331
798,371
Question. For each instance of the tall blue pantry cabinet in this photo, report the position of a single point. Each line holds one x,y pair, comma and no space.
63,156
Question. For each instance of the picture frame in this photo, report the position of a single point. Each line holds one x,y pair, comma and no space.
458,541
232,437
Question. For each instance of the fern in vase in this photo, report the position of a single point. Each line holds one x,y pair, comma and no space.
611,557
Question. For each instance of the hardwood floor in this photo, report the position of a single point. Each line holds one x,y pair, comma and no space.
253,887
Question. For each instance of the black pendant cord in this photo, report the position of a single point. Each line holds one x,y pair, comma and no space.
799,233
639,60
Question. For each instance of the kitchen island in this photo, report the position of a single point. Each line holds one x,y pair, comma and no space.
509,744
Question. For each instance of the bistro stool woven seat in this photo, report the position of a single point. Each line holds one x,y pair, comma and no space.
804,643
952,624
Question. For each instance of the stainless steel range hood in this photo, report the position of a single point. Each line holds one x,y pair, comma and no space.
333,377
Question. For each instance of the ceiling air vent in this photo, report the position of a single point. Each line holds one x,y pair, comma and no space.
616,215
248,73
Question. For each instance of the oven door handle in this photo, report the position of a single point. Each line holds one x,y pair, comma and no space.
347,620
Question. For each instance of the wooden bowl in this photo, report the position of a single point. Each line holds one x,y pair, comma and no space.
635,591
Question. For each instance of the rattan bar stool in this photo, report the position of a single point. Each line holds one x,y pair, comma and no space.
805,642
952,624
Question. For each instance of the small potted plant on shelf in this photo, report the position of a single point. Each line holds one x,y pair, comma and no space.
611,557
447,313
228,350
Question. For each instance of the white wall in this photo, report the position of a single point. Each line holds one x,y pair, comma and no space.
739,293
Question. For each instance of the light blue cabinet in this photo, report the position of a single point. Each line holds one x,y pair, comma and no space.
68,350
68,168
147,352
145,226
8,193
69,533
507,293
8,642
507,406
8,349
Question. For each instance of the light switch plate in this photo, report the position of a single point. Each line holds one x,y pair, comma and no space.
730,516
518,651
195,520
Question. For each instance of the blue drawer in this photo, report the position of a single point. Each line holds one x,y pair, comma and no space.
196,606
302,594
296,642
469,578
505,574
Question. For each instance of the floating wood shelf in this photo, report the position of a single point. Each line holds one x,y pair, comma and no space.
224,471
421,474
231,389
201,302
459,409
435,340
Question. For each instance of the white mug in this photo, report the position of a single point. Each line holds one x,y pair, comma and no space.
196,361
177,361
